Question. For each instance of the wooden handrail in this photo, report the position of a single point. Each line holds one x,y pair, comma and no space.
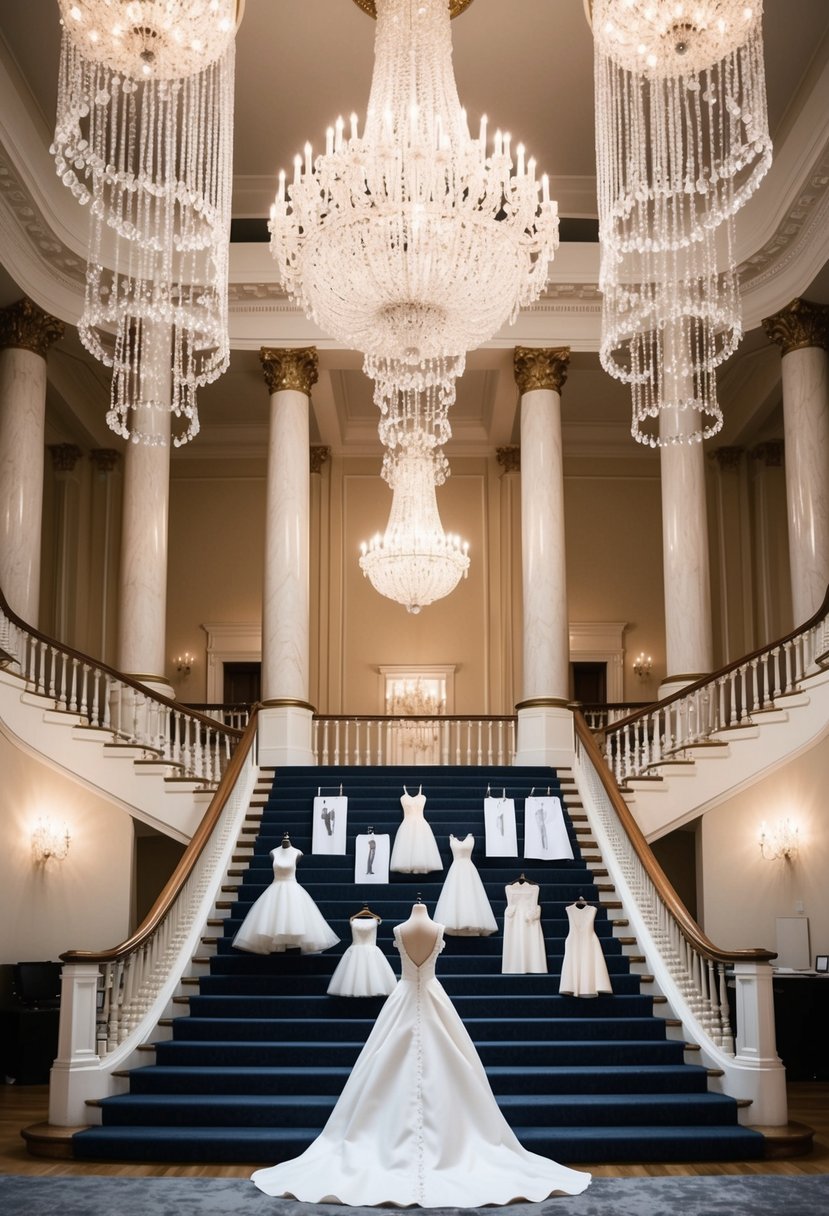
687,925
186,863
86,659
713,676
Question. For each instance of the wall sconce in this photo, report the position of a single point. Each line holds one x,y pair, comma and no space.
184,662
781,842
48,843
642,665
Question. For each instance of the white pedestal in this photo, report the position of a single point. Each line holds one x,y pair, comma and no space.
545,735
286,735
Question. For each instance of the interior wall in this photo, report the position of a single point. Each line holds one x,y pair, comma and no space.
742,894
82,902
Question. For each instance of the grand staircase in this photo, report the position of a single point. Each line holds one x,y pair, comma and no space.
254,1064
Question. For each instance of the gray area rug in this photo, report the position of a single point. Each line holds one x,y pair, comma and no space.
731,1195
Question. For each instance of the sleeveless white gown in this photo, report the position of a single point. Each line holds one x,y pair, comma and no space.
417,1122
524,951
364,969
463,908
285,916
415,849
583,970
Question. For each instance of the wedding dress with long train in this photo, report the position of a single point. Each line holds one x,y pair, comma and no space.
417,1122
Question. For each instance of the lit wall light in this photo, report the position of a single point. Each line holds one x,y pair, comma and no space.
642,665
184,662
48,843
780,842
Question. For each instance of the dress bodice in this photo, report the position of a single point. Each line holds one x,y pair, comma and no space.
412,804
284,863
522,900
580,919
462,849
364,931
426,971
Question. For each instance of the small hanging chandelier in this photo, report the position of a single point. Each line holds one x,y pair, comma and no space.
415,562
681,143
413,242
144,136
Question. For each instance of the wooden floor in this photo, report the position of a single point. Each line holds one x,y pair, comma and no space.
21,1106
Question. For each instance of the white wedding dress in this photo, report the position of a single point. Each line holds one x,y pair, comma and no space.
524,952
463,908
285,916
583,970
417,1122
364,969
415,849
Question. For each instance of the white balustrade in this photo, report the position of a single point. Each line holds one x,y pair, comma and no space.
374,740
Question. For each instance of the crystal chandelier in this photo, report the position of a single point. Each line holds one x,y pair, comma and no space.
413,242
414,562
144,136
681,142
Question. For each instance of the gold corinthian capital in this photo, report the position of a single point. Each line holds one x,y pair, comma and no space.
28,327
540,367
798,325
290,368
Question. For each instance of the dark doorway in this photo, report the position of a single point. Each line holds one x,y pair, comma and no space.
589,683
242,683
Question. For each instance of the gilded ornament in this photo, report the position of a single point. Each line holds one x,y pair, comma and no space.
319,455
295,369
28,327
64,456
538,367
456,7
798,325
509,459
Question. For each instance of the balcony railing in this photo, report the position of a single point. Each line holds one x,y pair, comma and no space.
449,739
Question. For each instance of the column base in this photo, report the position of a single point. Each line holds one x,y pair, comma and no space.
286,735
545,733
672,684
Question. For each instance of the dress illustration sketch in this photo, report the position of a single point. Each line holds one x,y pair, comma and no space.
524,951
415,849
364,969
285,916
463,908
584,970
417,1122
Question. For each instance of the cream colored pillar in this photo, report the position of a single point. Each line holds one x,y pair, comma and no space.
64,572
142,601
545,725
802,332
285,723
26,333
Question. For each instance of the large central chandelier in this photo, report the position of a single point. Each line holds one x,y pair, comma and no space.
411,241
415,562
144,137
682,141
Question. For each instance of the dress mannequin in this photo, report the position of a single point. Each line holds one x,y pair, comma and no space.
418,934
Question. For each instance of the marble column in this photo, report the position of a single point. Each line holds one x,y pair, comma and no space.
689,649
285,731
65,457
545,731
103,546
732,581
802,332
319,579
770,540
26,333
142,593
509,460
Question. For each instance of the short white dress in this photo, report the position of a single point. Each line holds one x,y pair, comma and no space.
364,969
285,916
415,849
584,970
524,951
463,908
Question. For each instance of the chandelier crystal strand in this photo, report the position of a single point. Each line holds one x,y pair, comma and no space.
144,137
414,562
682,141
413,242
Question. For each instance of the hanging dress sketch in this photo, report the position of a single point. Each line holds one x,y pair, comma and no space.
499,824
371,857
545,831
330,816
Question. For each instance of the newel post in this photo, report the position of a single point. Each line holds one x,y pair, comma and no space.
69,1081
765,1076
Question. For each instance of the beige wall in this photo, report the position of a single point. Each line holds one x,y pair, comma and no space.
82,902
741,893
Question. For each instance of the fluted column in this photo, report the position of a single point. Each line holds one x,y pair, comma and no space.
26,333
689,649
142,599
802,332
286,722
544,722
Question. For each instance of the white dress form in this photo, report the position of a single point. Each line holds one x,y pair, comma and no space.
584,970
364,969
524,951
417,1122
463,908
415,849
285,916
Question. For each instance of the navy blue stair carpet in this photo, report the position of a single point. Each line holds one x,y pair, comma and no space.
260,1053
